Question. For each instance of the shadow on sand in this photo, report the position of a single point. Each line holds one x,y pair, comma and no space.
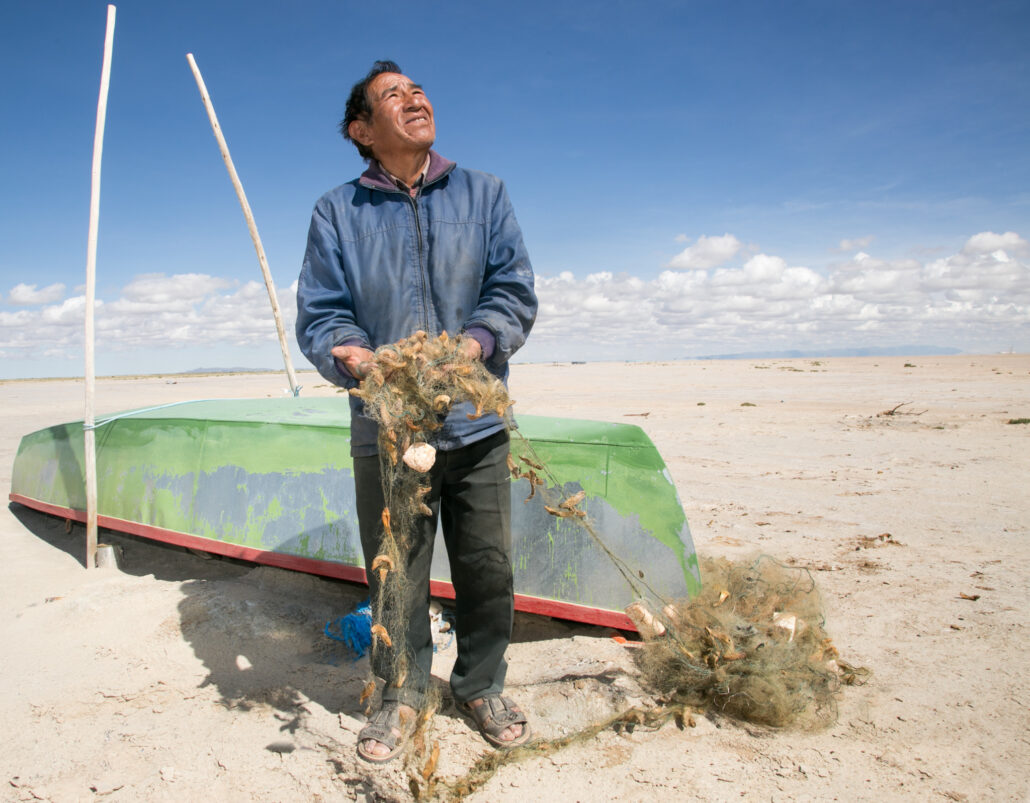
258,630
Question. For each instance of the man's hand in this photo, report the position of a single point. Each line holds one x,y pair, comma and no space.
356,360
470,349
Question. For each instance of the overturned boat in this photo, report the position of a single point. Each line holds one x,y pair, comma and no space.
270,481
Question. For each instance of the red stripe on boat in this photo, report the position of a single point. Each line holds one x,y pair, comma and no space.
438,588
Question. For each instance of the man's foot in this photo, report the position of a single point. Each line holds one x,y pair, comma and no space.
501,722
386,733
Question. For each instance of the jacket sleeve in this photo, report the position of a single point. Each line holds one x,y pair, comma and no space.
325,306
507,301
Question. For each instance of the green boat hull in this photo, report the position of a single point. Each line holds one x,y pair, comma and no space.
271,481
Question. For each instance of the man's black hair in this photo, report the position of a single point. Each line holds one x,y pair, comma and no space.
358,105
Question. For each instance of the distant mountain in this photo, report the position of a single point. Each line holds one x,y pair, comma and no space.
230,371
871,351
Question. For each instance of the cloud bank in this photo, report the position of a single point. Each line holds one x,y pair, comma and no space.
152,312
26,295
977,299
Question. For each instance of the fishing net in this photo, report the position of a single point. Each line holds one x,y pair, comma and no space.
751,646
412,387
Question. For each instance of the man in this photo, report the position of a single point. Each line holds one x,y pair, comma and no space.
418,243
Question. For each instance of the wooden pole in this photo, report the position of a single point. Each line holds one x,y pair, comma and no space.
91,285
262,261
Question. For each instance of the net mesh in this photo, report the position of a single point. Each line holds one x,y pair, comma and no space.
751,646
413,385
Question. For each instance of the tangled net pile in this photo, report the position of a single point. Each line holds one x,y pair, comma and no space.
751,646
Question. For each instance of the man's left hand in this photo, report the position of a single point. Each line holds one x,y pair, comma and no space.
470,349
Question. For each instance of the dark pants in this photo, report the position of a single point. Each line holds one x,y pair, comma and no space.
472,494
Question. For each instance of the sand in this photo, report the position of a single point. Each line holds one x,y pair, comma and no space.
181,678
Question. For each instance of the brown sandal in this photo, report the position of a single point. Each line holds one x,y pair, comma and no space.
387,726
494,715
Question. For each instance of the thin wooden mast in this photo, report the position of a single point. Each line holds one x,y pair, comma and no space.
91,267
269,284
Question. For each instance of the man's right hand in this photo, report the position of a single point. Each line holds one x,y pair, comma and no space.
356,361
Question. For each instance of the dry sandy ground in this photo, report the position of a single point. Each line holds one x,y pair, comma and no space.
190,679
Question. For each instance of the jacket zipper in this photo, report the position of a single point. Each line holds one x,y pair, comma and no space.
423,279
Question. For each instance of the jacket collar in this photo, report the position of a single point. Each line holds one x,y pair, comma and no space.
378,179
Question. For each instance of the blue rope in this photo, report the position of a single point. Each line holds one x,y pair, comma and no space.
98,424
354,630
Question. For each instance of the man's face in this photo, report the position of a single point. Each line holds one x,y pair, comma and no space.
402,118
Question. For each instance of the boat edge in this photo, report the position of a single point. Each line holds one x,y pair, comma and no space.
338,571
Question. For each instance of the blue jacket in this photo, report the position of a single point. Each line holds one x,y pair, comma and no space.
380,265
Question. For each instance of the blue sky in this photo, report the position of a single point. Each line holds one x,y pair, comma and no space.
691,177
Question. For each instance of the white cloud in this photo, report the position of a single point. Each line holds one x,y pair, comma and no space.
987,241
182,288
26,295
70,312
16,320
975,299
707,252
858,243
988,261
153,311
